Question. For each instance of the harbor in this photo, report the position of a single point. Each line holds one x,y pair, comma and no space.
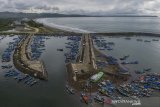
87,53
94,71
105,84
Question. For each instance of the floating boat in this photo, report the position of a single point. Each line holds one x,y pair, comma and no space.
128,38
85,98
59,49
155,39
143,71
148,69
6,66
104,92
124,58
11,73
99,99
139,71
28,79
109,49
132,62
147,41
101,49
97,77
69,89
122,92
23,77
33,83
139,40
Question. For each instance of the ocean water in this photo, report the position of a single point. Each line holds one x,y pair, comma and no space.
105,24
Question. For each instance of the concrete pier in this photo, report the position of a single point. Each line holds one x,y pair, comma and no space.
85,65
23,62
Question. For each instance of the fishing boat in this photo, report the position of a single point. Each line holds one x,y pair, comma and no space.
109,49
147,69
122,92
132,62
139,71
6,66
69,89
104,92
147,41
11,73
155,39
124,58
143,71
139,40
28,79
33,83
99,99
59,49
128,38
125,62
97,77
85,98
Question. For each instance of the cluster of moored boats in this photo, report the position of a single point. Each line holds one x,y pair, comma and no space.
134,89
37,47
110,60
150,80
141,87
10,72
101,43
20,77
107,88
73,45
124,58
6,56
141,40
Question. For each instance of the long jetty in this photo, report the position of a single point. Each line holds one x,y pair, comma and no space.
86,59
23,62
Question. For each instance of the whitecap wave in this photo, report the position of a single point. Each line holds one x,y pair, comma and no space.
66,28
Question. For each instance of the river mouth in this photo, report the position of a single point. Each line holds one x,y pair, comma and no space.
53,92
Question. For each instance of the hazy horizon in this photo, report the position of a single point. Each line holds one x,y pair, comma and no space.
83,7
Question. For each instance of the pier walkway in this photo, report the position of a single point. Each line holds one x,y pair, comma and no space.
86,62
23,62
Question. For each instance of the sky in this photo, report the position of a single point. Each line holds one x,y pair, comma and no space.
95,7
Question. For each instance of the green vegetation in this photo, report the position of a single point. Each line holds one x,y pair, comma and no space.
34,24
5,24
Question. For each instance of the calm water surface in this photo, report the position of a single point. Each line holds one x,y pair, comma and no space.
46,94
51,93
105,24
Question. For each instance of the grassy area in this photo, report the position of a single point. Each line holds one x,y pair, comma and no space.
5,24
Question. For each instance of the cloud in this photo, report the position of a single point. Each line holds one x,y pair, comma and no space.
83,6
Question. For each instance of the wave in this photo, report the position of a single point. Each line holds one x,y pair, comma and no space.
62,27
